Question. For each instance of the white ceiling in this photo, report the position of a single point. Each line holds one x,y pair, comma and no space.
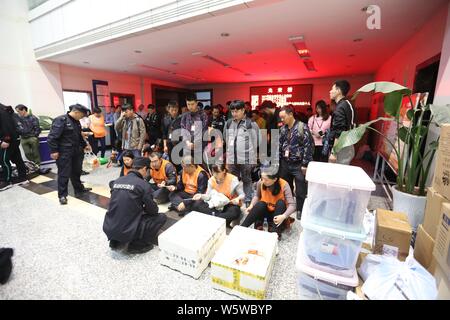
329,28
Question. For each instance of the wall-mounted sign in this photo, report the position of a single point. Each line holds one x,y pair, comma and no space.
298,95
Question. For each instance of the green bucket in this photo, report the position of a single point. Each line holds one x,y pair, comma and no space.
103,160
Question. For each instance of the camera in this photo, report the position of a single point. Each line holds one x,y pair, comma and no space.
321,133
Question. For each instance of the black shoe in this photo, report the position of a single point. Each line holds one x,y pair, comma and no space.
63,200
136,250
5,185
181,214
79,193
299,215
20,181
114,244
44,170
83,173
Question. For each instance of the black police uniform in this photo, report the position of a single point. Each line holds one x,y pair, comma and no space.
65,138
132,214
153,126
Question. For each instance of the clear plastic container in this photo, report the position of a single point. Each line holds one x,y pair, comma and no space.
337,195
314,284
330,250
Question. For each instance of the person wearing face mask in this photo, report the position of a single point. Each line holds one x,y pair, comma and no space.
273,201
132,217
227,184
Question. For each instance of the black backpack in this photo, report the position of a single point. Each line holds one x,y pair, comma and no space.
5,264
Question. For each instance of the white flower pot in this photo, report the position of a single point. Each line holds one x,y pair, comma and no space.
412,205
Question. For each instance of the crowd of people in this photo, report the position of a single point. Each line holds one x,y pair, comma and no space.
243,165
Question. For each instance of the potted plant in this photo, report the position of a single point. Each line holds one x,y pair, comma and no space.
409,193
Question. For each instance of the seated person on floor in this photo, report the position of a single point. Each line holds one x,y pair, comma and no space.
127,159
222,184
146,150
164,175
132,215
274,201
193,180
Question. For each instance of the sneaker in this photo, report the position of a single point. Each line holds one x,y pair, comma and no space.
44,170
115,245
63,200
20,182
299,214
5,185
83,173
137,250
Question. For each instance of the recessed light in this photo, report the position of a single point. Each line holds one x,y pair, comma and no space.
224,34
137,51
365,8
351,55
174,63
197,53
357,40
249,52
295,38
86,62
247,74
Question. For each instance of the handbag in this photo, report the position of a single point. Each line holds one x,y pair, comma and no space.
90,162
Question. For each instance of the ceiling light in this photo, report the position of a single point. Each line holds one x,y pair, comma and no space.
249,52
296,38
224,34
357,40
365,8
86,62
197,53
137,51
174,63
351,55
247,74
302,50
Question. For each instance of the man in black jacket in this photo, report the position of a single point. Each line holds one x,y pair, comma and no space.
343,120
66,146
153,125
132,215
9,149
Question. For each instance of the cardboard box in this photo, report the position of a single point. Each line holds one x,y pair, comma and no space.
189,245
441,180
442,243
443,284
433,211
393,234
243,264
423,249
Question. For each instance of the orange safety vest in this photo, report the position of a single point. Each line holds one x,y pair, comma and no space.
190,181
225,186
97,126
270,199
160,175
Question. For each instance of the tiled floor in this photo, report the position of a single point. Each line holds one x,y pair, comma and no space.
61,252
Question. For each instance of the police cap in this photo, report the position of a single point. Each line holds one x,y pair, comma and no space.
141,162
80,108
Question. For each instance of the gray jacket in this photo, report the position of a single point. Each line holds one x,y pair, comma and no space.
242,141
137,137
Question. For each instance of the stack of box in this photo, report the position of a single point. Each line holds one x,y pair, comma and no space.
333,232
243,264
189,245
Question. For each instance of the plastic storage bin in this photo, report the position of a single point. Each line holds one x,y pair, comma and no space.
189,245
330,250
337,195
314,284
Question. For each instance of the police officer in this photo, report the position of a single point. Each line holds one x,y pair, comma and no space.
132,215
153,125
66,147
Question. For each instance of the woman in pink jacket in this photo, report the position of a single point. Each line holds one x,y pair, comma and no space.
318,124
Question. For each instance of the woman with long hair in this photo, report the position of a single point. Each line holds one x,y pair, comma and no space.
318,125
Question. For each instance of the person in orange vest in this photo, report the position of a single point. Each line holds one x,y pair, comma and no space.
164,175
193,180
97,126
127,159
227,184
273,201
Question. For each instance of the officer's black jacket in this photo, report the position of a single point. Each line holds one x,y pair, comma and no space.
130,199
65,133
342,119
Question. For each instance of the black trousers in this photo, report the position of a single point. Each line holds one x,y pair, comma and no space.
293,172
160,195
318,154
69,165
178,197
147,231
94,143
230,212
261,211
12,154
112,135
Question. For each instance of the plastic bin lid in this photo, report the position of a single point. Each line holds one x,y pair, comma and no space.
341,234
339,175
301,265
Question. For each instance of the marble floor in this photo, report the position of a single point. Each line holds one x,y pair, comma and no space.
61,252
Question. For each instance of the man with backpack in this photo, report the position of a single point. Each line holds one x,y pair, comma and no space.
296,151
241,136
343,120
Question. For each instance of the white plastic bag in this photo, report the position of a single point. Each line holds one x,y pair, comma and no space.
90,162
390,279
218,200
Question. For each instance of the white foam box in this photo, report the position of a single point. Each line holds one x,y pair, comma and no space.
189,245
243,264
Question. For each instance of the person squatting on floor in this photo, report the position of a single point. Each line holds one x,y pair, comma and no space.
273,201
132,217
226,184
